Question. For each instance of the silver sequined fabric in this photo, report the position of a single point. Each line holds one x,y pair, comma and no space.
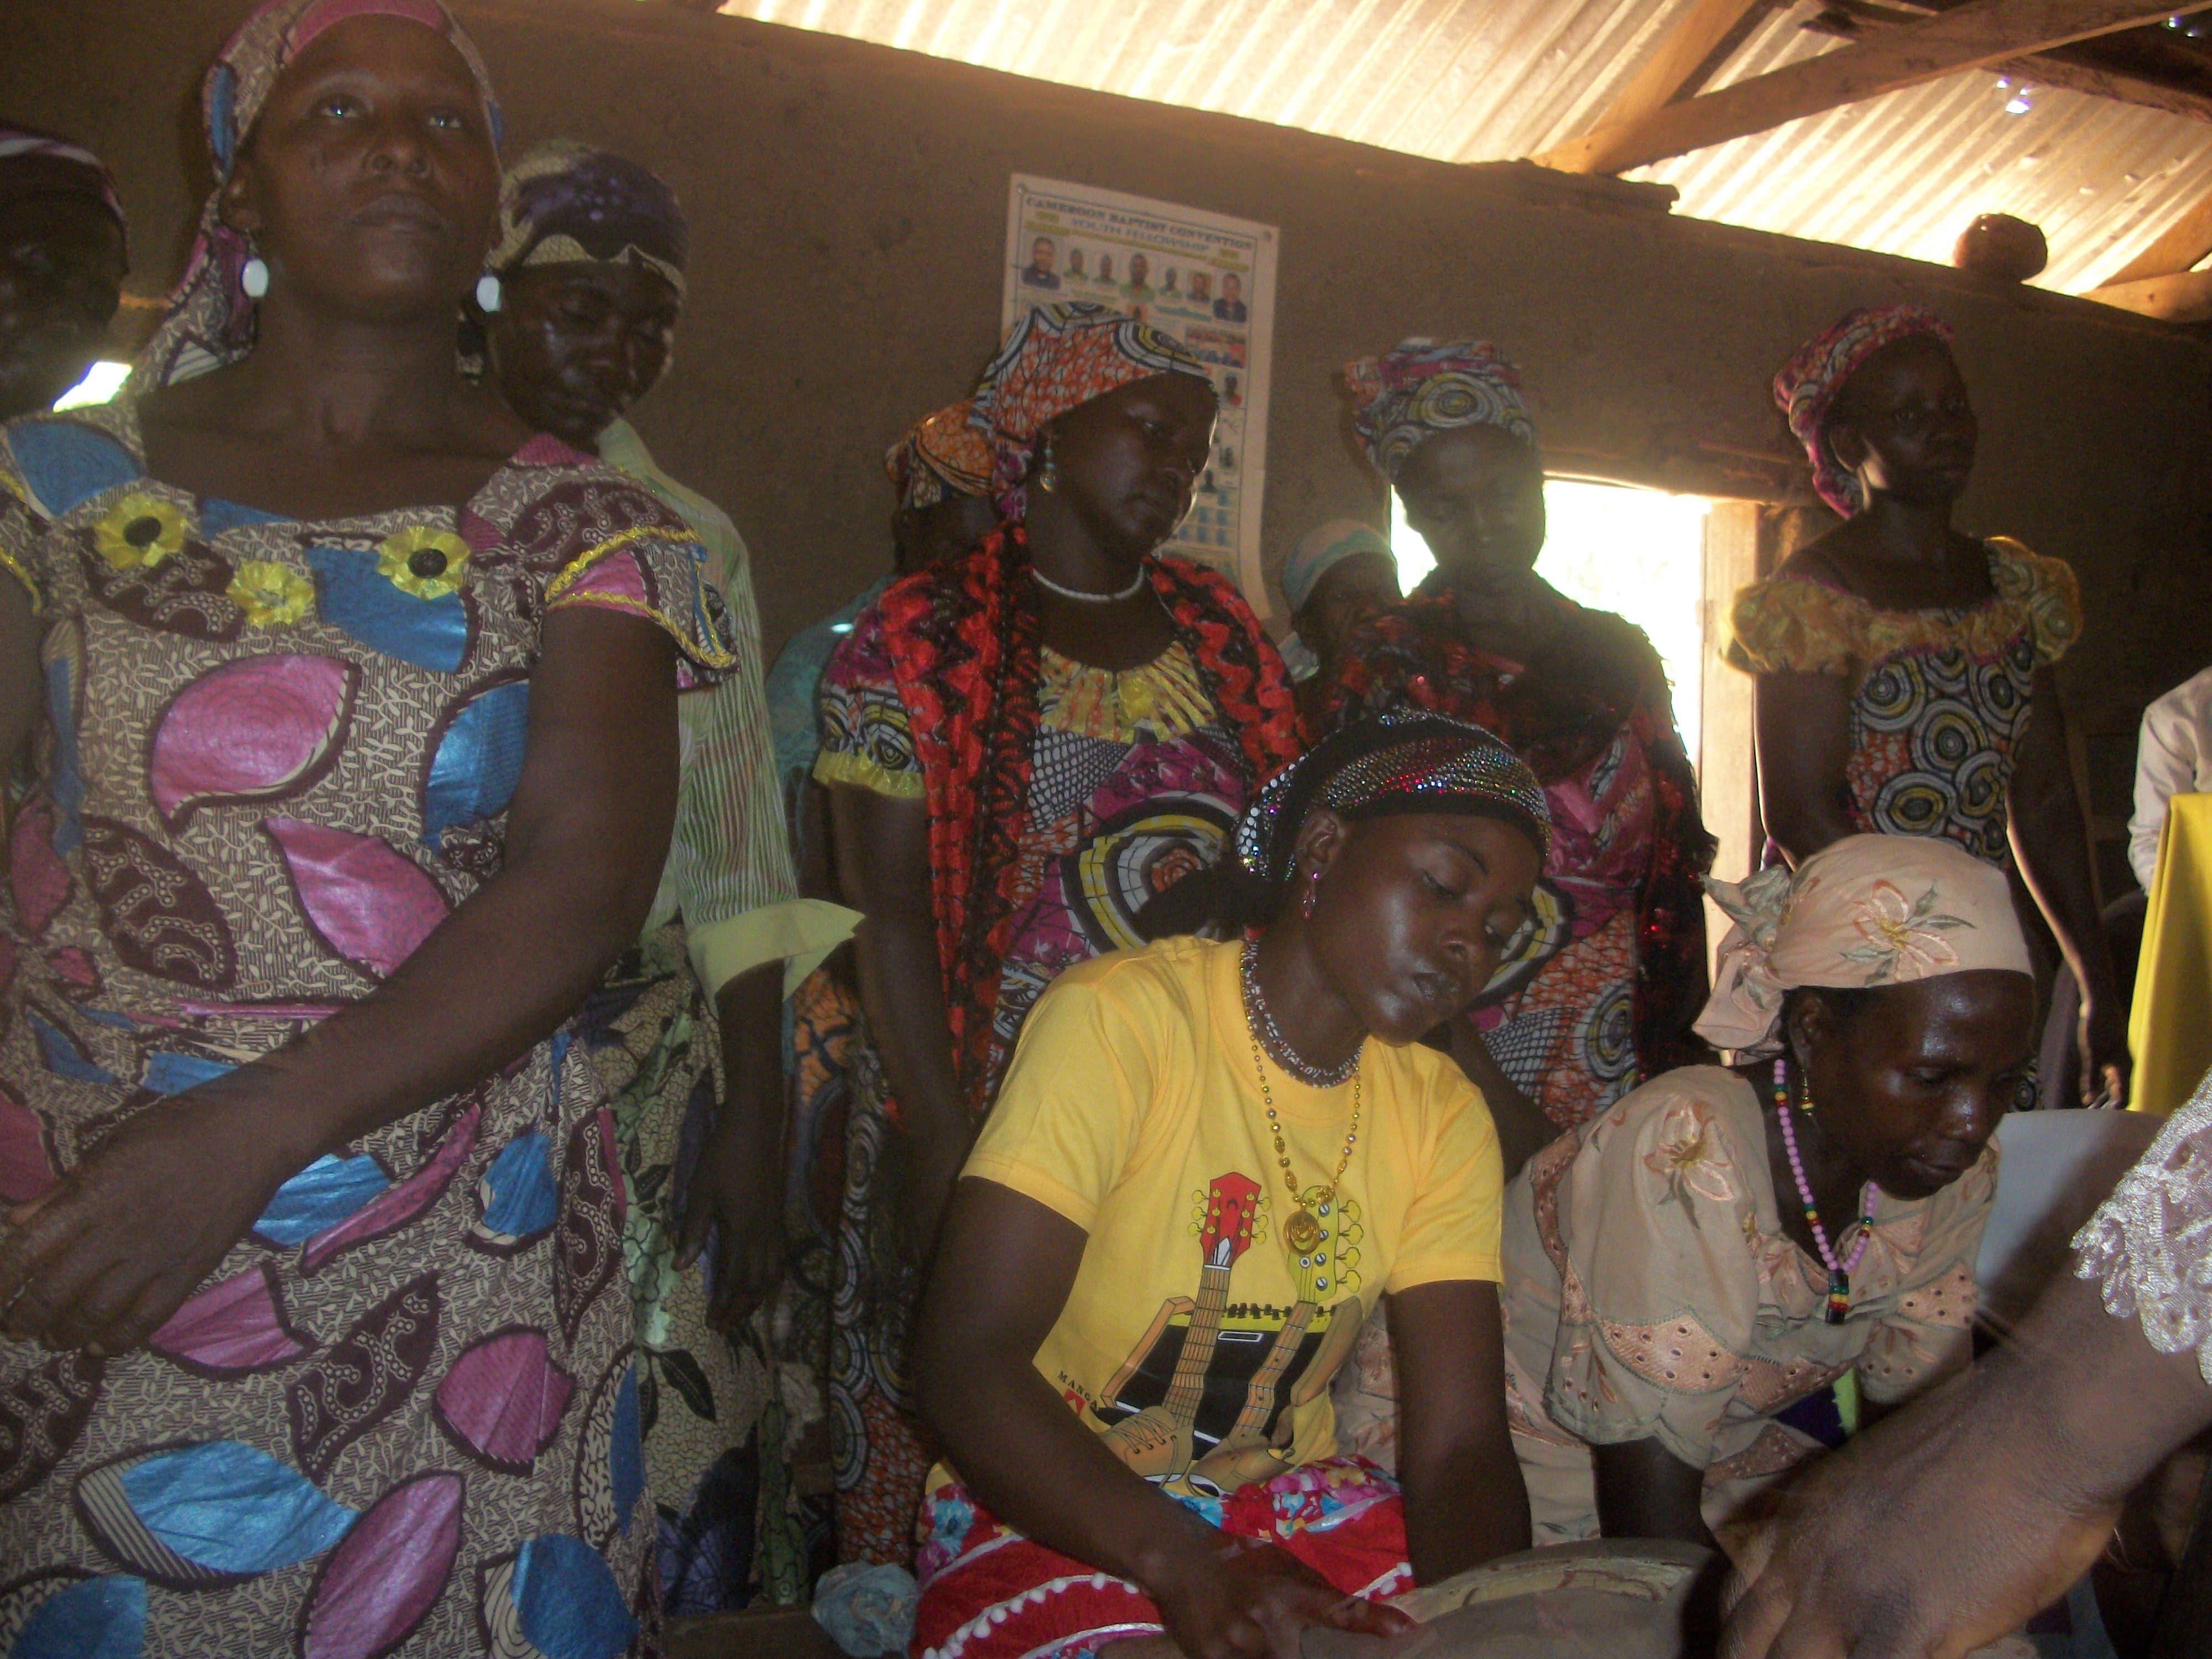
1403,756
2150,1243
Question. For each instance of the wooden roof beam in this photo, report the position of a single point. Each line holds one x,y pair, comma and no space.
2072,68
2052,70
2179,248
1971,36
2183,297
1670,69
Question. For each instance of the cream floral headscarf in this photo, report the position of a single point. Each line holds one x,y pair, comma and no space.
1864,912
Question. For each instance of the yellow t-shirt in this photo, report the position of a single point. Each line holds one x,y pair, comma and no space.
1193,1340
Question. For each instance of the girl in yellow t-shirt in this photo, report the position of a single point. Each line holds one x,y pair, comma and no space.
1208,1161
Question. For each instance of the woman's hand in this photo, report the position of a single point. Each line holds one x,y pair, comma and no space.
1848,1569
737,1188
882,864
736,1193
103,1260
2019,1467
1246,1598
2107,1069
1465,1500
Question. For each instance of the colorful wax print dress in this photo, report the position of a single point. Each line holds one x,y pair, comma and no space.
1939,698
403,1415
1602,992
727,904
1134,783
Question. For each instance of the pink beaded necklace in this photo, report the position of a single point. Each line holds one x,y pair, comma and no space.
1839,1272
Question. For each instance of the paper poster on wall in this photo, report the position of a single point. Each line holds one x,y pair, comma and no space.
1208,280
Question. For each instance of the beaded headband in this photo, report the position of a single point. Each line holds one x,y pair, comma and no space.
1399,762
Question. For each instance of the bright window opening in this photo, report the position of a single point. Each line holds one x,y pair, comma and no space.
100,383
1638,553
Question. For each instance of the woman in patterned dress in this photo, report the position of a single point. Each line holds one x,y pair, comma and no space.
1139,1302
941,471
1022,747
687,1030
354,756
1904,682
1603,991
1682,1336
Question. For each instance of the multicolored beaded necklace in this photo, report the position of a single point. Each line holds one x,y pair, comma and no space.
1839,1272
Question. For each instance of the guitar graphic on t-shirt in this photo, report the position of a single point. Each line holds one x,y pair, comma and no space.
1157,1441
1245,1453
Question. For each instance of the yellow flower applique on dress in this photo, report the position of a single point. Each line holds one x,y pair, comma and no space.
271,595
138,532
426,563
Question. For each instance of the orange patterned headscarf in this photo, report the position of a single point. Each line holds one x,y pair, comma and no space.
942,454
1057,358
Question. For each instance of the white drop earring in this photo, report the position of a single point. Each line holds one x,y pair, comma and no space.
254,277
487,293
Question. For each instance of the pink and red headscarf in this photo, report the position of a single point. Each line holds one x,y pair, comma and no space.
1806,385
1057,358
1421,385
210,320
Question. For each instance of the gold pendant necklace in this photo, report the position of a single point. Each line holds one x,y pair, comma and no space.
1302,1230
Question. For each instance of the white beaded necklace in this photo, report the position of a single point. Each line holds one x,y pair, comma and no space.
1136,585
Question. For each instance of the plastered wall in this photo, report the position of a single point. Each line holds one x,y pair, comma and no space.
849,200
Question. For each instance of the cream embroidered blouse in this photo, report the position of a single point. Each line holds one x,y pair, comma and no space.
1650,1293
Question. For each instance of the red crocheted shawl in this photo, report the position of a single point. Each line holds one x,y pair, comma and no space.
963,640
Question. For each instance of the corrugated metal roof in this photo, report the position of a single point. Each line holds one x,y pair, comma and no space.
1490,79
1905,173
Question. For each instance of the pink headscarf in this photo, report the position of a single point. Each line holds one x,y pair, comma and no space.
1806,387
1863,912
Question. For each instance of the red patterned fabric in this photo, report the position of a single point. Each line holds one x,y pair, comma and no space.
989,1592
1560,712
1806,387
1059,357
963,642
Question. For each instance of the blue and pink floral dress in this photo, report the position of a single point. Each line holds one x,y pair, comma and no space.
275,756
